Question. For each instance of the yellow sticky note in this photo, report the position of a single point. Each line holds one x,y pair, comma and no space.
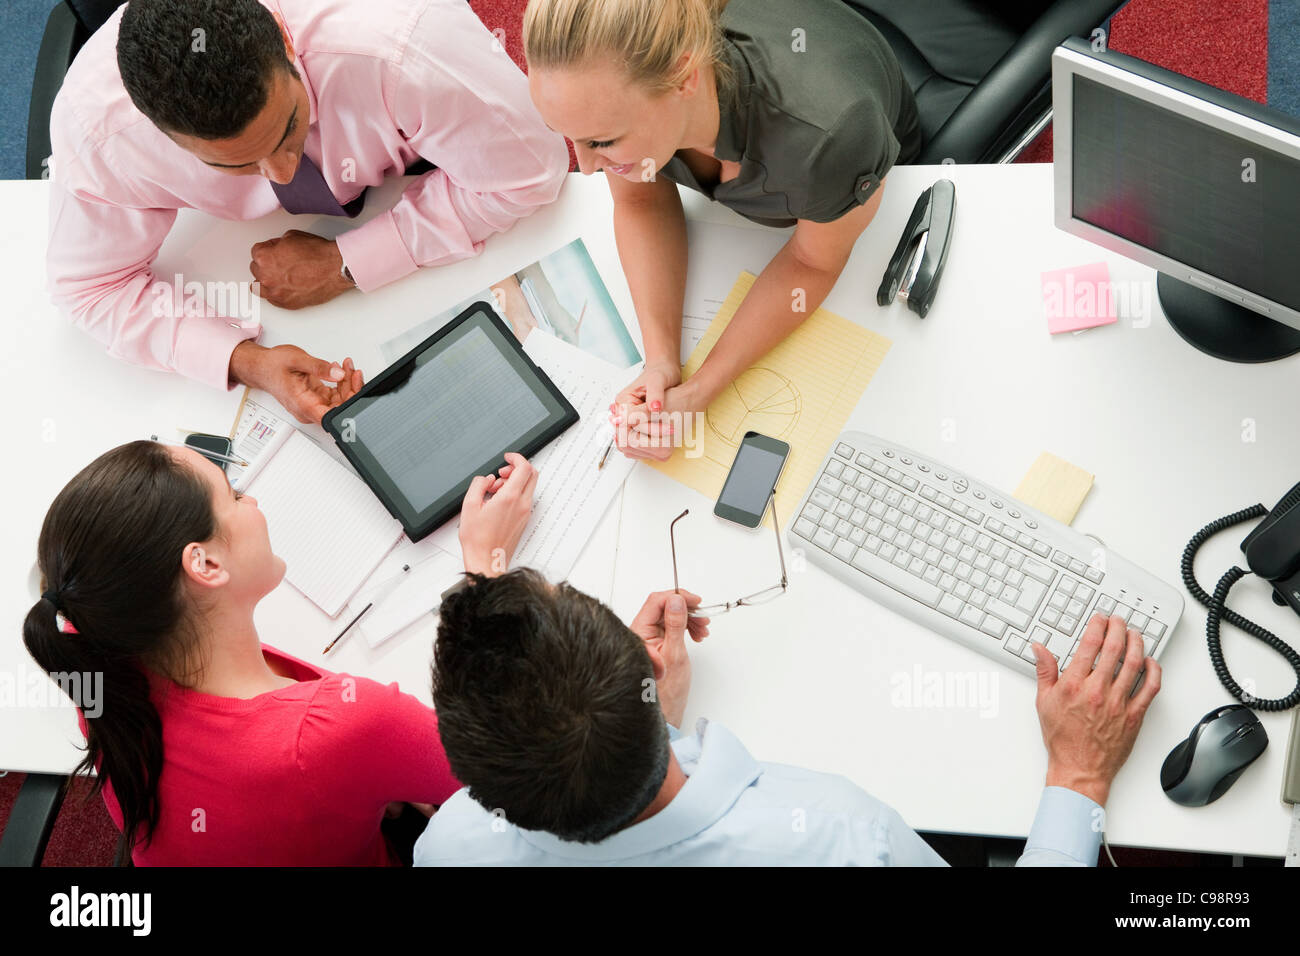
1055,487
801,392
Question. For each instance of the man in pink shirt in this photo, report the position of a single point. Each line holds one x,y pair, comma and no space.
239,108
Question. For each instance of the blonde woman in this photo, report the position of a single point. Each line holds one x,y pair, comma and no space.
790,112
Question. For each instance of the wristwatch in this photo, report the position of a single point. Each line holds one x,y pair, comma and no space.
346,273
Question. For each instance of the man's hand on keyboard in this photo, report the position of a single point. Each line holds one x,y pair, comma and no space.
1088,717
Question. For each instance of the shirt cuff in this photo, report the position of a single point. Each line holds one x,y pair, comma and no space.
375,253
204,345
1069,825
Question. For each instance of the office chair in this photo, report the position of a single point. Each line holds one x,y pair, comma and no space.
981,71
68,28
27,831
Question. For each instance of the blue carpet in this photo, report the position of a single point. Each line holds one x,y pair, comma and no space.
24,22
1283,48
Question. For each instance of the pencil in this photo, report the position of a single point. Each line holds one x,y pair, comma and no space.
605,457
348,628
203,451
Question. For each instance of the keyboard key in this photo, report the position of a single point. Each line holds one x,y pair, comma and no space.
962,590
831,484
1067,624
1005,612
1106,605
1093,575
943,501
964,571
1155,629
909,483
865,460
982,562
843,450
917,548
901,559
863,483
972,616
824,539
947,582
1124,611
978,579
1060,644
968,536
805,528
887,552
893,498
1043,549
1015,559
951,546
843,509
1068,585
1061,558
1138,621
1038,571
822,498
873,543
948,564
1031,595
844,549
1014,578
888,533
950,605
999,551
1009,594
977,598
878,468
1015,644
828,520
1050,617
858,517
971,556
983,542
897,579
1077,567
1041,635
894,475
932,575
813,513
928,493
842,528
908,523
994,525
858,536
893,516
958,508
993,627
1149,646
999,570
976,516
1058,600
834,468
1074,608
933,555
1084,593
1013,513
877,508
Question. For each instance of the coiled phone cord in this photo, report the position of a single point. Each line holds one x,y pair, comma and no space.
1217,611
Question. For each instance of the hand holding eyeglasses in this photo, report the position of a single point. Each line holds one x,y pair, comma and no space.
663,623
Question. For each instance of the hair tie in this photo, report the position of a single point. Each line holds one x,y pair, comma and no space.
60,619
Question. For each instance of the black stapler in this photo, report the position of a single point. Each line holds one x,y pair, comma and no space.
917,264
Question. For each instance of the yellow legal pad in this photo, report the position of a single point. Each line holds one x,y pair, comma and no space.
1055,487
801,392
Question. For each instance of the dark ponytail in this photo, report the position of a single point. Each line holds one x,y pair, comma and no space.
114,603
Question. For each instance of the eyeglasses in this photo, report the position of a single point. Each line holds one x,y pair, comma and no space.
759,597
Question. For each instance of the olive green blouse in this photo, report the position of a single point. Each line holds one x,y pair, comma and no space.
816,112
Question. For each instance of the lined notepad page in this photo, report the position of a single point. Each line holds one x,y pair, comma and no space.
329,528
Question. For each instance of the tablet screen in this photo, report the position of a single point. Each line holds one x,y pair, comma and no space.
445,412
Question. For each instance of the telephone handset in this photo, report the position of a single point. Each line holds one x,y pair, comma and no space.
1272,551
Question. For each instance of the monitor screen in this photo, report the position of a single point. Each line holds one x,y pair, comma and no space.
1183,189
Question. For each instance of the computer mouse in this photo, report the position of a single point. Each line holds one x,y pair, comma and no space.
1202,768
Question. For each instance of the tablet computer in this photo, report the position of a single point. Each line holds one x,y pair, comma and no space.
446,411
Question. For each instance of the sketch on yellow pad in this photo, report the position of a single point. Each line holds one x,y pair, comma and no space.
802,392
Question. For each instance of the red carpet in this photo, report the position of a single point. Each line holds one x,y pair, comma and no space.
1224,45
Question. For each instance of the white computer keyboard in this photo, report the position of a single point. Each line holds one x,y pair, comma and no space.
966,560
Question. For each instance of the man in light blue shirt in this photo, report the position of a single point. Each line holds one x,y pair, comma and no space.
550,712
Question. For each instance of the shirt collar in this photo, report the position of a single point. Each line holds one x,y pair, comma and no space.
724,771
274,7
733,108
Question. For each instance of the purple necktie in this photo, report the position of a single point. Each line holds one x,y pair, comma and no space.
309,193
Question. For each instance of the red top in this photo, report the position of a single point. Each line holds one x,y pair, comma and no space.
294,777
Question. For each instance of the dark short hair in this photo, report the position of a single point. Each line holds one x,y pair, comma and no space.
208,84
543,706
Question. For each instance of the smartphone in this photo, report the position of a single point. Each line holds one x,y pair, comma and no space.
752,479
202,443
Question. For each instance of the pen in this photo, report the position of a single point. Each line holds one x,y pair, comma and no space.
605,457
206,454
351,623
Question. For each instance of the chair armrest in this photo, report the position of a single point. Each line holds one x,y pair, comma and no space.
31,820
1017,89
58,44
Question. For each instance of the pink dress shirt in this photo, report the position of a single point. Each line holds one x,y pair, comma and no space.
388,82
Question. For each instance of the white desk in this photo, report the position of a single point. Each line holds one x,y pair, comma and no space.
812,678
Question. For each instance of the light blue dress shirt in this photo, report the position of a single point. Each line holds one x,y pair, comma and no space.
735,811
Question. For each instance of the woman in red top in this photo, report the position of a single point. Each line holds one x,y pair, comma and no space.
213,748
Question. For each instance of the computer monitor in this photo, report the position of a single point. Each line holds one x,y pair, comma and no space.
1199,184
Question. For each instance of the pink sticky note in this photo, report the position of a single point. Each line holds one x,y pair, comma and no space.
1079,297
